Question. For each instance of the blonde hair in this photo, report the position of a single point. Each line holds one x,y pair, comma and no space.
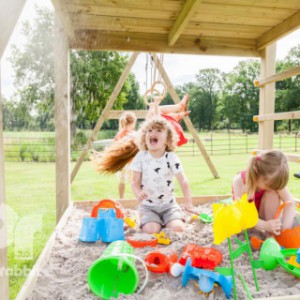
116,157
158,123
126,119
273,165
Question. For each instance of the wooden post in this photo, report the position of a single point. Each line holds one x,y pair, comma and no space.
267,97
62,119
4,287
105,113
187,120
9,15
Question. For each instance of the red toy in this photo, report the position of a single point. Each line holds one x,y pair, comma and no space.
107,203
201,257
159,262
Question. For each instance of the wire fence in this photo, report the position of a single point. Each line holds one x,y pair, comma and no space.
43,149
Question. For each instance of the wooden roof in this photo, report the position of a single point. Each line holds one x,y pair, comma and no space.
220,27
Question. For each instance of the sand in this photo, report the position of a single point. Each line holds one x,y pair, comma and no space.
65,275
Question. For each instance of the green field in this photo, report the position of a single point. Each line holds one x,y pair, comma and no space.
30,195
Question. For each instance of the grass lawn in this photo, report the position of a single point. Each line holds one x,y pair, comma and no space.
30,197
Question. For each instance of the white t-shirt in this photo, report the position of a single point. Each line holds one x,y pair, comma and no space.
157,175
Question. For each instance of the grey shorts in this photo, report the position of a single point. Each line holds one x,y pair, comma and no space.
161,214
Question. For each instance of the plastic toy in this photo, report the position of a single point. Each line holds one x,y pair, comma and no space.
160,262
107,203
142,240
271,256
130,222
105,227
230,219
201,257
256,242
205,218
288,238
114,272
206,279
162,239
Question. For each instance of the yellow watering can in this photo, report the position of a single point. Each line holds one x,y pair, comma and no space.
230,219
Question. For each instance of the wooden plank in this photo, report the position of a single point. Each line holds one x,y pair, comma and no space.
62,119
184,17
250,11
121,41
284,28
9,14
166,5
132,203
42,261
104,114
225,30
267,98
123,24
290,157
291,115
4,285
294,4
187,120
277,77
143,12
116,114
63,14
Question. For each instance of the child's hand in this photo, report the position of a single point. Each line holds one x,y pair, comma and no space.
141,196
190,208
273,226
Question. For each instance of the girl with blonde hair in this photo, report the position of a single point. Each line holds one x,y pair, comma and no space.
265,181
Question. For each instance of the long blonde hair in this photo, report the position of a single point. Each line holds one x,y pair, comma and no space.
157,123
273,165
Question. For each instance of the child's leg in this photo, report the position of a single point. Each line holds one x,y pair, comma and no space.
176,225
121,190
181,106
269,204
151,227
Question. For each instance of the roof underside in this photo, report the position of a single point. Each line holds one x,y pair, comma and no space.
214,27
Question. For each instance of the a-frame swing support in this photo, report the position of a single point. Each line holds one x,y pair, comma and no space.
107,113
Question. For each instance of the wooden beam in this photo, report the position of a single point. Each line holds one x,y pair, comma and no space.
267,98
187,12
277,77
116,114
63,14
132,203
290,157
9,14
130,41
4,286
62,119
287,26
187,120
105,113
277,116
31,279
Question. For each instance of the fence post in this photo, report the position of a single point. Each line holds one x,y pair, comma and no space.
246,143
229,143
211,144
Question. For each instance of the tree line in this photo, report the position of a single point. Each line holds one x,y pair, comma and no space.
218,100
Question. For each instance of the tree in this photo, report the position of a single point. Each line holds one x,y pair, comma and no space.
240,97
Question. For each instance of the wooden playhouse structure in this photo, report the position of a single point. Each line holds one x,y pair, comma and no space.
248,28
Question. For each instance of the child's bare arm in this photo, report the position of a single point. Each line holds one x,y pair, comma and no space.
238,187
289,211
136,186
185,188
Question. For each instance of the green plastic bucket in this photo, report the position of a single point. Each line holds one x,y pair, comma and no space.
114,272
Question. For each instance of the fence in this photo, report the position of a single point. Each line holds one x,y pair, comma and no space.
43,149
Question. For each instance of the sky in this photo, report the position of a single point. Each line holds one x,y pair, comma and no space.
180,68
